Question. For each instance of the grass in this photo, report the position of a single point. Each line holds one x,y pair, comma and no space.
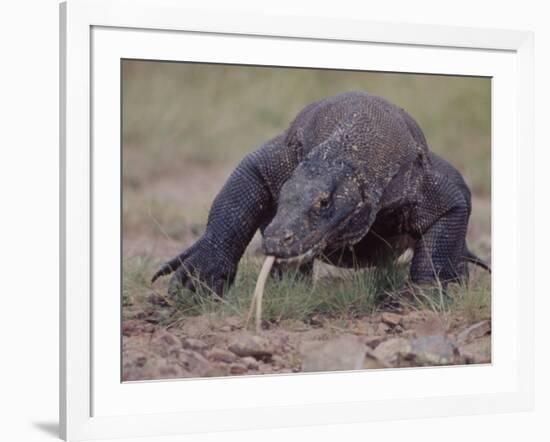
466,303
136,274
359,293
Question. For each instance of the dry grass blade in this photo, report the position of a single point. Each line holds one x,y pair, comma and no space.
259,292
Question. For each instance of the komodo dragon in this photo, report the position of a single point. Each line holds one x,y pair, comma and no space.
351,182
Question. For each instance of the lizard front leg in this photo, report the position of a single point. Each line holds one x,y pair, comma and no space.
244,202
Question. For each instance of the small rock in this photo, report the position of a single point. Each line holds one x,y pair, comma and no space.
373,341
382,328
238,369
293,325
415,317
468,358
248,345
193,362
140,315
362,329
278,360
144,368
135,357
345,353
475,331
398,329
130,327
433,350
477,351
194,344
167,370
431,326
392,351
195,326
167,339
156,316
225,328
250,362
391,319
234,322
217,370
372,362
316,321
166,344
409,334
219,354
158,300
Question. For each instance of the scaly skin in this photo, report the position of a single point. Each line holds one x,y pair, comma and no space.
352,182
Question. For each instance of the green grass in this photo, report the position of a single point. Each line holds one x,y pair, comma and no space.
136,274
467,302
290,297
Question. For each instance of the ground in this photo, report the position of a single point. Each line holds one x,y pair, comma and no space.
185,127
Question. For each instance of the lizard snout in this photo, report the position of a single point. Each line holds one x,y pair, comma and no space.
279,241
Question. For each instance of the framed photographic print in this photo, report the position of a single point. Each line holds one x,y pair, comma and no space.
285,221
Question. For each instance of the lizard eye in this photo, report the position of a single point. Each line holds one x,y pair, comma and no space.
322,203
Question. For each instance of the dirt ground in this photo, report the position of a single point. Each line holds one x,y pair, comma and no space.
212,346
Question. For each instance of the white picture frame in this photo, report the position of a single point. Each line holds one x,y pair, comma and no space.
95,35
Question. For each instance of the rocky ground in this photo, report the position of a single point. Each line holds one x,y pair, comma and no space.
210,345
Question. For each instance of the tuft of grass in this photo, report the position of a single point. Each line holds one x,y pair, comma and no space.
136,271
468,302
358,293
293,297
473,301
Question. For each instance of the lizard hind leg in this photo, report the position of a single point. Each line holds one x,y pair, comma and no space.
439,254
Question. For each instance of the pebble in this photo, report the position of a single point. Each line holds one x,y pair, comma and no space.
382,328
433,350
250,362
391,319
218,354
373,341
158,300
238,369
475,331
278,360
234,322
194,344
390,352
345,353
248,345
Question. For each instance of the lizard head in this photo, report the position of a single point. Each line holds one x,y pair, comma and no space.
317,205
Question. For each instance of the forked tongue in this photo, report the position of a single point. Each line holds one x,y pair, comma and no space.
259,293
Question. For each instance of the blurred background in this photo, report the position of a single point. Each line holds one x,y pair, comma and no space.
186,126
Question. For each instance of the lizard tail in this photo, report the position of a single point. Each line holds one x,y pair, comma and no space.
470,257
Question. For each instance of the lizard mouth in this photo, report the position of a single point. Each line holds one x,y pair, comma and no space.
303,257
